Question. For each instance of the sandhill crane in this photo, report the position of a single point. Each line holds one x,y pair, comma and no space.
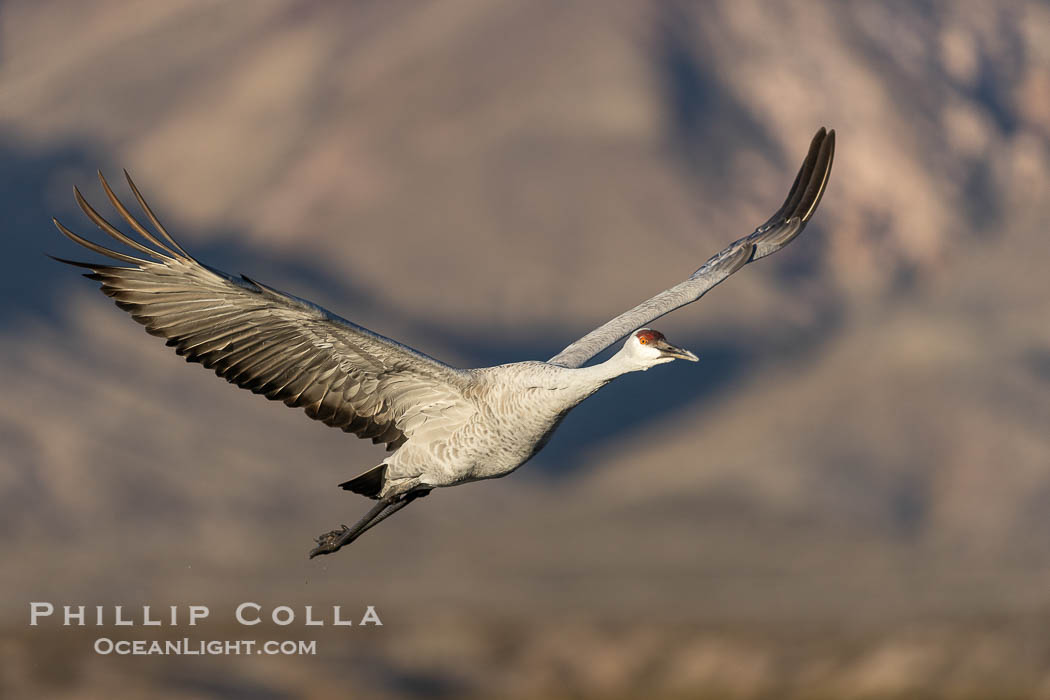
442,426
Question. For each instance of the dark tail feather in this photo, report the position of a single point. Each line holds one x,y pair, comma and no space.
368,484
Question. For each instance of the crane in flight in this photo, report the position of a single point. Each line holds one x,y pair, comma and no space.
442,426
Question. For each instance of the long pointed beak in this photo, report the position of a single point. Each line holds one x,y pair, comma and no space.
675,351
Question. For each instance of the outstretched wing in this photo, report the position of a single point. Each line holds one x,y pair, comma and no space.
269,342
777,232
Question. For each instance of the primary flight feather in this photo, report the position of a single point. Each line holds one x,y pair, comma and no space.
443,426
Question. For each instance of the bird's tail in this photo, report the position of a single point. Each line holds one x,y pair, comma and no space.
368,484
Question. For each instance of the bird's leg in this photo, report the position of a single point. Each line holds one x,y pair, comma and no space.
393,508
332,541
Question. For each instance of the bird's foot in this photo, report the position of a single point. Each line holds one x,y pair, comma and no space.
329,542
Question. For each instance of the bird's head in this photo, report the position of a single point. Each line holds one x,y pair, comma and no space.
649,348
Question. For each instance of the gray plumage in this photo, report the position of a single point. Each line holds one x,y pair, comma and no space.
444,426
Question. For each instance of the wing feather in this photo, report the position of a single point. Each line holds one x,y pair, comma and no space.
774,234
265,340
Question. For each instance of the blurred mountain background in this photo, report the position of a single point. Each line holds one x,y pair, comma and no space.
848,497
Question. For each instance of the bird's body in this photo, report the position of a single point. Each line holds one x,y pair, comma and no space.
443,426
506,415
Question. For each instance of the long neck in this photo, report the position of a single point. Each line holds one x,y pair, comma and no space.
599,375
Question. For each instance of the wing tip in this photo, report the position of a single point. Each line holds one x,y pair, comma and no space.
814,192
165,250
803,198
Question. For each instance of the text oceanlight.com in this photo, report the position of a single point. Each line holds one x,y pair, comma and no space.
247,614
214,647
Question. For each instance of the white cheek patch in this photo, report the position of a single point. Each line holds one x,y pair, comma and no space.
647,351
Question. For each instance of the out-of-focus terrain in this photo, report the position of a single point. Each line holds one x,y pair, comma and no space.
847,497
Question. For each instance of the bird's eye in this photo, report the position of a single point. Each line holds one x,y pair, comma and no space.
643,340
